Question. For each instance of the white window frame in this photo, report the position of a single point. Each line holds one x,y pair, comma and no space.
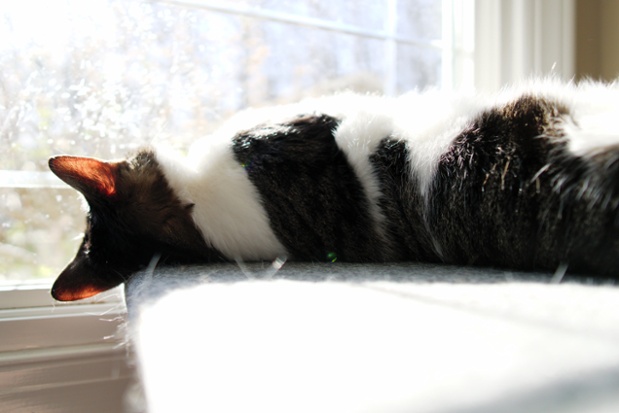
519,39
505,51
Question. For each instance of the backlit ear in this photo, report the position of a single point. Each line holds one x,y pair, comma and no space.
81,280
90,176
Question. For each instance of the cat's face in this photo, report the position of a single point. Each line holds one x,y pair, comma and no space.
134,218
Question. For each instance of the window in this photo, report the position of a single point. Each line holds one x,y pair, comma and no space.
103,77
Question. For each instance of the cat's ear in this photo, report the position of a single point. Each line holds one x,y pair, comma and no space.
90,176
82,280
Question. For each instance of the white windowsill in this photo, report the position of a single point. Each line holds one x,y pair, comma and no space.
37,294
69,357
33,324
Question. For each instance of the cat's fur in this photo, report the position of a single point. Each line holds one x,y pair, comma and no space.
528,179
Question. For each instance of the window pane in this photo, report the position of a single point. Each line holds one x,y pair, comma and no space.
104,77
418,66
420,19
368,14
40,231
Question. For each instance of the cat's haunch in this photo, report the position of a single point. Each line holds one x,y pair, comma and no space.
528,179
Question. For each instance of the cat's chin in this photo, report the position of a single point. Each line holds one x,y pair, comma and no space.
79,281
63,294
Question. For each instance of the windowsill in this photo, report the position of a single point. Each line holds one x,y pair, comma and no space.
69,357
37,294
35,325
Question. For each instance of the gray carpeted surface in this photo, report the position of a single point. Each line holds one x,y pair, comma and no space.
380,338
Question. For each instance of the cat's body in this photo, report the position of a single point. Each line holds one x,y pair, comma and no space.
526,180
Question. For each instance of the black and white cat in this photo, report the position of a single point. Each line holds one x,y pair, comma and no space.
528,179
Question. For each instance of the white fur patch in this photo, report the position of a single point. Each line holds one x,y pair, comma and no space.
429,123
594,125
358,136
593,121
227,209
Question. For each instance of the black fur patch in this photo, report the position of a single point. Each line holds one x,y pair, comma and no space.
508,193
401,203
314,200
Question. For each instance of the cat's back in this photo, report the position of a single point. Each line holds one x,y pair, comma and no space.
461,178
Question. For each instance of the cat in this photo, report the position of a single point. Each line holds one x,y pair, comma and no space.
527,179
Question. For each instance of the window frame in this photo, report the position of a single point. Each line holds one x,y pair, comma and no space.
519,39
496,63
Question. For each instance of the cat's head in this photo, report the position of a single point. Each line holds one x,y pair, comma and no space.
134,217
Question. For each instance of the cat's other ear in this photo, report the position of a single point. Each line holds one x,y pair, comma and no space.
82,280
90,176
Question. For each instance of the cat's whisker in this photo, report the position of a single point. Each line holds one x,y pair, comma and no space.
245,269
276,265
557,277
150,269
